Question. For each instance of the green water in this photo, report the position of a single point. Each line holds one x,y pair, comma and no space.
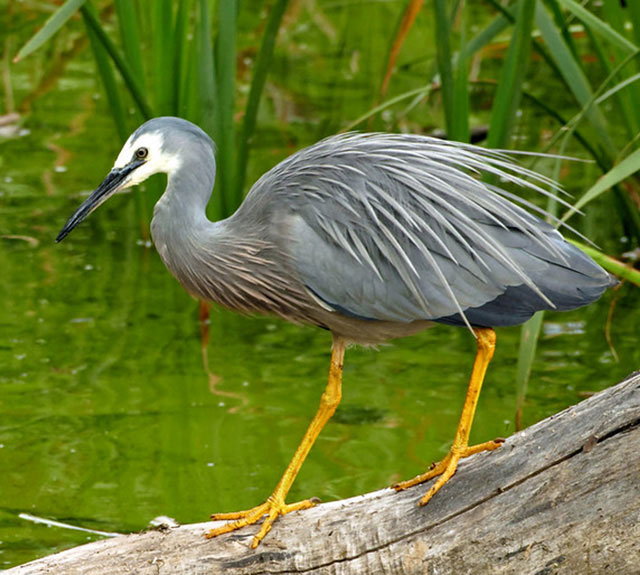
108,417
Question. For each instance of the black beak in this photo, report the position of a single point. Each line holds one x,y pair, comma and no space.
114,181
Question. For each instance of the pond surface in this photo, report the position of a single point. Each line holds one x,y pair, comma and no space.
108,415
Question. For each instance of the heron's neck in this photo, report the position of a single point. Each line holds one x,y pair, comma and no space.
187,194
179,216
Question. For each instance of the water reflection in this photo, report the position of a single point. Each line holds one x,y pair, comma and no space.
552,329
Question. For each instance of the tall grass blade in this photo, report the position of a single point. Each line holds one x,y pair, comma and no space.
480,40
181,42
507,99
188,94
163,63
572,126
260,70
205,109
553,113
226,70
202,102
633,9
597,25
621,171
408,19
424,91
443,58
620,86
628,98
127,75
575,79
460,126
612,265
563,25
103,63
130,35
529,336
56,21
509,14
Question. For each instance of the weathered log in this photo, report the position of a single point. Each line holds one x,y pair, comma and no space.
560,497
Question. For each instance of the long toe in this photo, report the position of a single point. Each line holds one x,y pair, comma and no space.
272,508
435,470
446,468
444,476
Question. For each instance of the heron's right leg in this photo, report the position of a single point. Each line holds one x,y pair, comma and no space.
444,470
275,505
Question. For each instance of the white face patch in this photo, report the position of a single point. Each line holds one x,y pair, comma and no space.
156,161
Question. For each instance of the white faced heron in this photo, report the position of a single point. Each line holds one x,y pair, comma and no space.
370,236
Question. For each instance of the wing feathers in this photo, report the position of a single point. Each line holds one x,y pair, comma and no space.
401,228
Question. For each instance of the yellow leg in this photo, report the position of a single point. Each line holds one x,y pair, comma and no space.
275,506
486,341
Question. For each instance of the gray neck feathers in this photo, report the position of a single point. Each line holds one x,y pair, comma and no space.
189,188
179,217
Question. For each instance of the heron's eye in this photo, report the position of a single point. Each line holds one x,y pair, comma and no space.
142,153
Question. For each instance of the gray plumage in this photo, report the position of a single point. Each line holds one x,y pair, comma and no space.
371,236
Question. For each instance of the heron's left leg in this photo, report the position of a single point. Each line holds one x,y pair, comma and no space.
486,342
275,505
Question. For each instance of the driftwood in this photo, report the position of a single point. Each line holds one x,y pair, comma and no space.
560,497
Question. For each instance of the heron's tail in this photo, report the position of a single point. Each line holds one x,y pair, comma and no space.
570,282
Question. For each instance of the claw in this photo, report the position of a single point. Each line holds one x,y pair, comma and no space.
272,508
446,468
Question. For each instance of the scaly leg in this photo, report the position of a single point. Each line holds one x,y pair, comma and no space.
275,505
486,341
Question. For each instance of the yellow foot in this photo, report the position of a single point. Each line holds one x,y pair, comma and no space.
272,508
446,468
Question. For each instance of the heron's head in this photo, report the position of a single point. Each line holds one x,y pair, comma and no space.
157,146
